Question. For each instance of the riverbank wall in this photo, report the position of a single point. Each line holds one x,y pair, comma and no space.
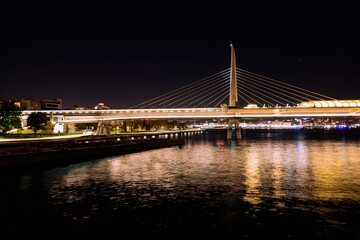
68,152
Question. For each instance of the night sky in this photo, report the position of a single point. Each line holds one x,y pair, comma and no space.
124,54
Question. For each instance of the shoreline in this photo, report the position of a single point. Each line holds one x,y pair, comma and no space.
157,133
56,153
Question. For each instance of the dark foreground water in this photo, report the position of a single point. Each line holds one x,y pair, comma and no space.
271,185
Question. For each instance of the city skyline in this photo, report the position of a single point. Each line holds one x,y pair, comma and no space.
125,57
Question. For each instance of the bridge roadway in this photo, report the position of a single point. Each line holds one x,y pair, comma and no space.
63,116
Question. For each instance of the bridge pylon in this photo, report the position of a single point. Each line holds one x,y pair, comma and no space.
233,97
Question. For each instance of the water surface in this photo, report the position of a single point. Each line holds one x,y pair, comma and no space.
274,185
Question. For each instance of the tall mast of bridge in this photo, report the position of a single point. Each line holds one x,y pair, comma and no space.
233,99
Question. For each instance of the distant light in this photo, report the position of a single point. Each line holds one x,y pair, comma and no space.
251,106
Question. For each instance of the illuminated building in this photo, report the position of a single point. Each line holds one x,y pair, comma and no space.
331,103
101,105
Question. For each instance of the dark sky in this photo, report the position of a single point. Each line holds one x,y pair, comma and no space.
124,54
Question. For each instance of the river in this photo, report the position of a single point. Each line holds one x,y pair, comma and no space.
276,185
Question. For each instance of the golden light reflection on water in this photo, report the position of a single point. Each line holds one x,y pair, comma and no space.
335,170
260,169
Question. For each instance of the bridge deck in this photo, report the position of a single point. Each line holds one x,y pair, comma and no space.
195,113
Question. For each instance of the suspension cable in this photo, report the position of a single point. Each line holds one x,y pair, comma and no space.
262,81
261,97
251,73
245,78
244,98
269,92
189,91
239,89
187,86
267,97
199,89
222,90
222,94
222,99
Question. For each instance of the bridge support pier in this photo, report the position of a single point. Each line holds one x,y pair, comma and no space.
237,129
102,130
70,128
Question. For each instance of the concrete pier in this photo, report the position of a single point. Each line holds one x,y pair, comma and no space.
237,129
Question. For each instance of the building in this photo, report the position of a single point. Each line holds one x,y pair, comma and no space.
76,107
54,104
27,104
101,106
6,103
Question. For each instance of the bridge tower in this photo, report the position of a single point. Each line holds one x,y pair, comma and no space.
233,97
233,100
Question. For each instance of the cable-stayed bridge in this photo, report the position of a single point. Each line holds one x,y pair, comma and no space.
232,94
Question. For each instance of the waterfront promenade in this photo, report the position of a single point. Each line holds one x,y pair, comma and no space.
23,153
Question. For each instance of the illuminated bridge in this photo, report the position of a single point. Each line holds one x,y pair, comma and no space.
251,96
